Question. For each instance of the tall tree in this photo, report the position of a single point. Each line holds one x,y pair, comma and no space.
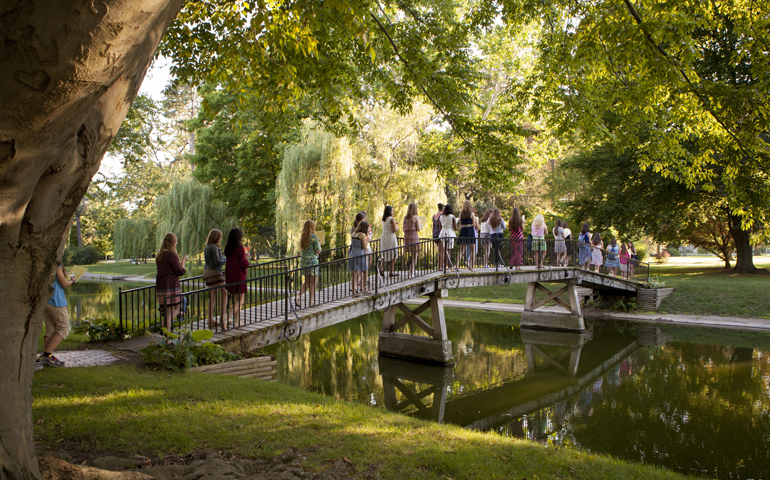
70,71
679,74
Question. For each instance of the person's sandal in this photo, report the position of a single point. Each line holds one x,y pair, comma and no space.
51,361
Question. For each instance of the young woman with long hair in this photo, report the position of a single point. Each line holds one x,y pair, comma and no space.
516,227
446,236
467,237
484,235
584,254
538,240
596,251
613,262
358,263
213,275
559,247
388,242
167,286
411,228
310,248
496,228
236,266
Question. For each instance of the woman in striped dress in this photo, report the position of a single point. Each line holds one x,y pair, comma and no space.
167,286
515,225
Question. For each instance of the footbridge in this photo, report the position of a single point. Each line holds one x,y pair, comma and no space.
274,307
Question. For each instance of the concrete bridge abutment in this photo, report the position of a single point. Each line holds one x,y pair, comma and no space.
569,317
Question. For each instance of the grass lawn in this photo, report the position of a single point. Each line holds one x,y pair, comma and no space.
701,287
122,268
121,410
72,342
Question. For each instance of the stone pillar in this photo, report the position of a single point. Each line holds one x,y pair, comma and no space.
566,315
435,348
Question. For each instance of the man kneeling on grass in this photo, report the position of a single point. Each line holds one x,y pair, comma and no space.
57,320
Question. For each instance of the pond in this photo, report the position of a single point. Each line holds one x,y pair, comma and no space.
692,400
95,299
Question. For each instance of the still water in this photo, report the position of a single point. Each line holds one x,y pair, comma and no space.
692,400
95,299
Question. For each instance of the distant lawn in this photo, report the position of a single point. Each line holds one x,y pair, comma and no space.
121,411
122,268
701,287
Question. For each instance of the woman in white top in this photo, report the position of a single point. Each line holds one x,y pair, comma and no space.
388,241
484,235
558,247
448,226
567,243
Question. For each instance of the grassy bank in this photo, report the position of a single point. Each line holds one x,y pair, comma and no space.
701,287
119,410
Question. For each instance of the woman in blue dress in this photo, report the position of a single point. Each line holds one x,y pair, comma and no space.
613,261
584,255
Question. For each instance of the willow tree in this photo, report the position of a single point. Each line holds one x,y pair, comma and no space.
188,209
317,182
388,163
134,238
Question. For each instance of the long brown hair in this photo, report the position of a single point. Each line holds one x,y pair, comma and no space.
411,212
360,216
597,240
486,215
363,227
556,227
215,236
515,222
467,211
168,244
496,219
307,231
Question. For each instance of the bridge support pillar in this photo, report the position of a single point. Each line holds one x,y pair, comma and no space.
433,349
568,315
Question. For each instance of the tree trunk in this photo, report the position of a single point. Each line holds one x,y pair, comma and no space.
80,235
744,258
69,71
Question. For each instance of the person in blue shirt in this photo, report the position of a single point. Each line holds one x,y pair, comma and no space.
57,320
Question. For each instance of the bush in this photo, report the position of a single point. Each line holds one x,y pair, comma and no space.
85,255
181,352
100,330
641,252
674,252
661,257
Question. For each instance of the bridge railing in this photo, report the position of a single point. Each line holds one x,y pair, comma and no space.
271,289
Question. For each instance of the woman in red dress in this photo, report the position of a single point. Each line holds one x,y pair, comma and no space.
167,285
235,271
515,225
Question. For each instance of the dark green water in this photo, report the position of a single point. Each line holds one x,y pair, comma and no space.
692,400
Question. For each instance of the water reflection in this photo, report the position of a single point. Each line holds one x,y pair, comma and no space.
642,393
94,299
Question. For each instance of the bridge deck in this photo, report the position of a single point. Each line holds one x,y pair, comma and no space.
264,324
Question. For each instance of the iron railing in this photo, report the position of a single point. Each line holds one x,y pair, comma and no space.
271,290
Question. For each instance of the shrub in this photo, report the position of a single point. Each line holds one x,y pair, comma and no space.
641,252
674,252
100,330
655,282
661,257
181,352
85,255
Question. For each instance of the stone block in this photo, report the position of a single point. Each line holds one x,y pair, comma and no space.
416,348
553,321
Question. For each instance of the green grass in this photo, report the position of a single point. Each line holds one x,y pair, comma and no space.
123,268
701,287
119,410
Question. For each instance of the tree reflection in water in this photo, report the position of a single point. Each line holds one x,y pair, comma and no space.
639,393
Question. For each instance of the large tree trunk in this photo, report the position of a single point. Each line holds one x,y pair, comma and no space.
744,254
69,71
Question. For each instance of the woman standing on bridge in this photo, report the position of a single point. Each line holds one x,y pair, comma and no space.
515,225
496,228
358,259
596,251
213,275
538,240
467,238
612,261
559,248
411,238
310,248
235,271
484,235
447,236
389,242
584,254
167,286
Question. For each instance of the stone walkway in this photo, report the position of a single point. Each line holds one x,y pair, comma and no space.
87,358
713,321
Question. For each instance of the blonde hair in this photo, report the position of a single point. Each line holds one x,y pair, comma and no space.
168,244
538,222
307,229
215,236
411,212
